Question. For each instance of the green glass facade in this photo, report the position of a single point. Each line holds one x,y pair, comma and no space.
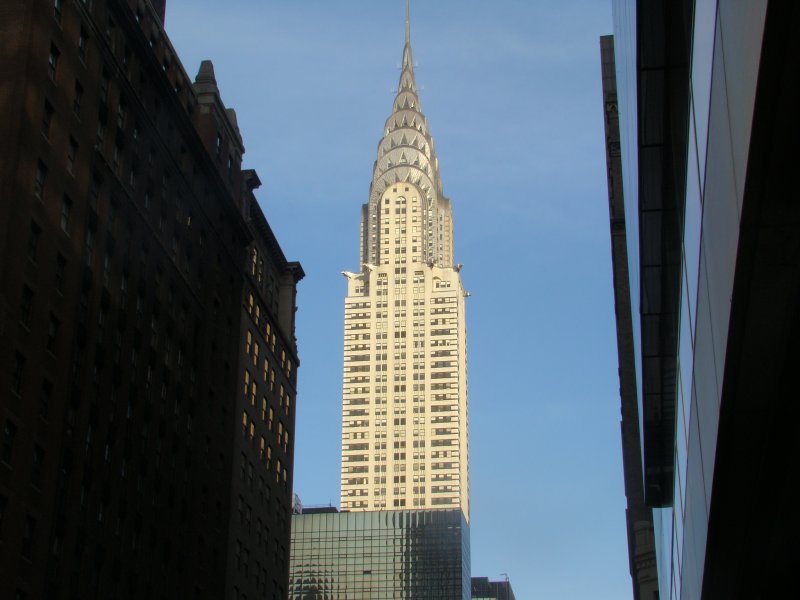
383,555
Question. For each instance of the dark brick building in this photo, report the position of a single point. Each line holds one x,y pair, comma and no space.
147,354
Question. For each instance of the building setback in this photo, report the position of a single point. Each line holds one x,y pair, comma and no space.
134,261
708,95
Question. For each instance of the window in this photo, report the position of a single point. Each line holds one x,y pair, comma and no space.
61,265
122,111
106,269
52,61
112,211
111,28
36,468
45,397
104,81
47,118
33,240
83,41
9,433
25,305
72,151
66,209
100,132
38,179
77,98
27,540
89,246
3,502
52,333
16,373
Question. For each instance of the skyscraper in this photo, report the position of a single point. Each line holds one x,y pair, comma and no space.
403,530
404,418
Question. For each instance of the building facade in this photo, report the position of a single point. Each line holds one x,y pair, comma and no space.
707,92
380,555
127,231
483,589
638,516
405,439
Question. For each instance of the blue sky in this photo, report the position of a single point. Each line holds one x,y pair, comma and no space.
512,93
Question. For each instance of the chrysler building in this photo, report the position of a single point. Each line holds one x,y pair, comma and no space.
405,438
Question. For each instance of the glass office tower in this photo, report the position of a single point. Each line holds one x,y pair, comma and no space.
380,555
708,94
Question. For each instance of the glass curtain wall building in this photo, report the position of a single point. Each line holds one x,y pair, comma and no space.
708,92
380,555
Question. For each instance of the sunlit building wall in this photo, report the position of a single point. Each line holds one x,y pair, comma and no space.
404,419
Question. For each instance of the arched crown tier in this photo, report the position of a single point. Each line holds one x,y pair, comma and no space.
406,154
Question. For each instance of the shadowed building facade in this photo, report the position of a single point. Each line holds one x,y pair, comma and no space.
708,94
134,262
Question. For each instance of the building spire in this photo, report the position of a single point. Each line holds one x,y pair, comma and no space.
407,76
408,22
